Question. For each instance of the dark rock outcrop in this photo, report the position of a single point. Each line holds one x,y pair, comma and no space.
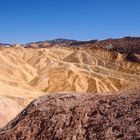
77,117
123,45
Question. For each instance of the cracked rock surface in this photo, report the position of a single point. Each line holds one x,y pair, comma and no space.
77,117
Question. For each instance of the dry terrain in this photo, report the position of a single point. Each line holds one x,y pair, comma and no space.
77,117
32,70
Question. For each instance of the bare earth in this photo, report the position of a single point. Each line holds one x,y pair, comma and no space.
32,71
77,117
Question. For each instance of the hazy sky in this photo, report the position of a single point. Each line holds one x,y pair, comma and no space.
23,21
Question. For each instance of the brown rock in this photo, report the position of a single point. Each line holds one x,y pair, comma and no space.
77,117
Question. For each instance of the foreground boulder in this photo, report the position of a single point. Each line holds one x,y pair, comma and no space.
77,117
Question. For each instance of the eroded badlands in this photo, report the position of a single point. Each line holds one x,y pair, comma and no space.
29,72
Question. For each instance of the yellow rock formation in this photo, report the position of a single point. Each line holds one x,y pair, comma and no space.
26,73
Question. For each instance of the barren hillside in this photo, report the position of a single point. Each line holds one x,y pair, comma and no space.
32,70
77,117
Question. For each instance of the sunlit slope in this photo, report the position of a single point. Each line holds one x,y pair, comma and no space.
64,70
26,73
15,93
87,70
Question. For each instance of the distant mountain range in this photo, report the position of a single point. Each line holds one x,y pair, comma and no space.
126,45
63,41
122,45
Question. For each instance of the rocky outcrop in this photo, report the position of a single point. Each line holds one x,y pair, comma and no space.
122,45
77,117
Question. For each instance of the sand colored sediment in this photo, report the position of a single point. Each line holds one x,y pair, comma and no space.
26,73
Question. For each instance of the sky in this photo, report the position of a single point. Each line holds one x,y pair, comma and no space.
24,21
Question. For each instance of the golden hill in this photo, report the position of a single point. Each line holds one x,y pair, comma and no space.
28,72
